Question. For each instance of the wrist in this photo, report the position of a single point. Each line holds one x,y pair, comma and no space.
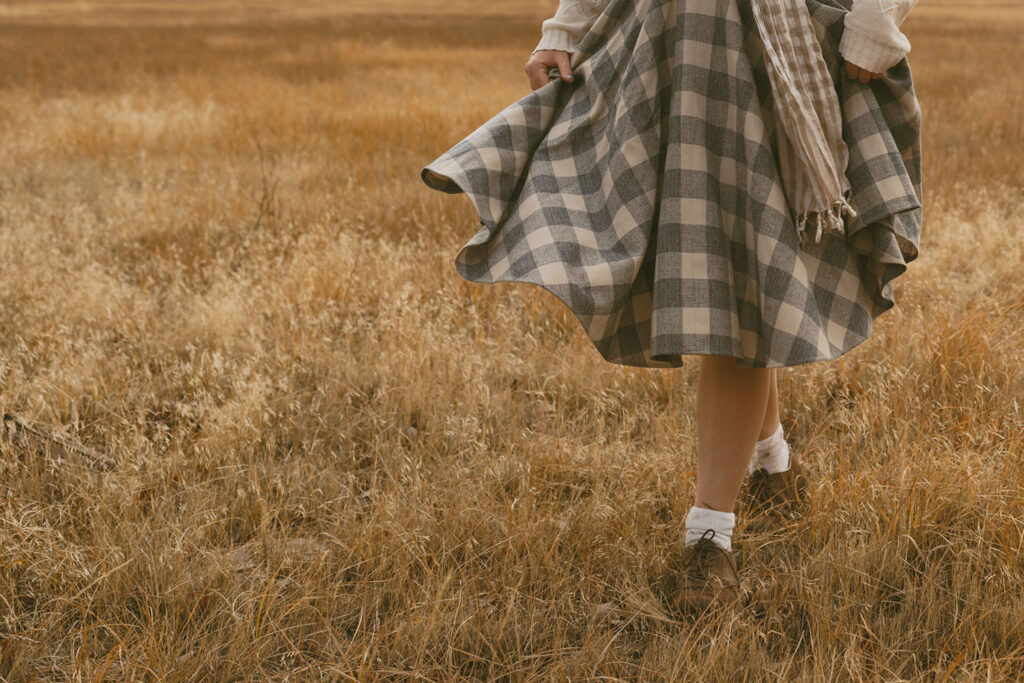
556,39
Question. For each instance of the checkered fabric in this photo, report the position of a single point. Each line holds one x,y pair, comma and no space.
646,195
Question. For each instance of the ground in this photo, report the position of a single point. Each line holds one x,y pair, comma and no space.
318,454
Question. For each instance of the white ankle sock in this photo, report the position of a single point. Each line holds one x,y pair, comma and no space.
771,454
699,520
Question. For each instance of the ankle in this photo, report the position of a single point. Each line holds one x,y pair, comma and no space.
704,522
771,453
761,437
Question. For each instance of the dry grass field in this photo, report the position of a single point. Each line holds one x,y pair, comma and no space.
325,456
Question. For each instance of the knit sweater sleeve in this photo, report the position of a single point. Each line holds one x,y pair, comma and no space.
571,22
871,36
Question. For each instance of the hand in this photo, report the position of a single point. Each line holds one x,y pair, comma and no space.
541,61
859,74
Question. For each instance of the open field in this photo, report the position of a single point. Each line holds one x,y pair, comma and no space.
334,459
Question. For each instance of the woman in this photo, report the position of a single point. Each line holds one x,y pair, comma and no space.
662,186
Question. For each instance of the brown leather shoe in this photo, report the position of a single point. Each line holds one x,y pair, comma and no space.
777,496
703,574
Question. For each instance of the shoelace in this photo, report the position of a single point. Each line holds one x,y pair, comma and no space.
699,558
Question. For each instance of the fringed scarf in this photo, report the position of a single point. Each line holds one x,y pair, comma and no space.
812,154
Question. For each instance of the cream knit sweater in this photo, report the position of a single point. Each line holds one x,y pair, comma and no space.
871,36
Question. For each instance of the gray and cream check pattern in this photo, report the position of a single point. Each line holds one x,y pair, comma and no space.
646,195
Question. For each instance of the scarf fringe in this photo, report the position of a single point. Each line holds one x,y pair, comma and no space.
829,219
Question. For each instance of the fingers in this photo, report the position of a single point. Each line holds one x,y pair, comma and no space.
562,62
541,61
537,73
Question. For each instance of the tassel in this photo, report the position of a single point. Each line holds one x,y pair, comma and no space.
829,219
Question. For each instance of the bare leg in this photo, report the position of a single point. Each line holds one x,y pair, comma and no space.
771,413
731,406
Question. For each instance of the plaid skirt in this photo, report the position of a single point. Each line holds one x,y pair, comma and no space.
646,195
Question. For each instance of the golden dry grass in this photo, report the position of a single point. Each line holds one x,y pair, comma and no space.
334,459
